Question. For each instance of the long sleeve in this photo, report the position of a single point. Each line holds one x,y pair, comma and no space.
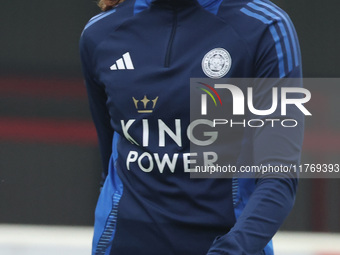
97,101
265,209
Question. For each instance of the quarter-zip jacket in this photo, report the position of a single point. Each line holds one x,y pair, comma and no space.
138,59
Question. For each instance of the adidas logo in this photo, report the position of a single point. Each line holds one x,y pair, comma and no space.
123,63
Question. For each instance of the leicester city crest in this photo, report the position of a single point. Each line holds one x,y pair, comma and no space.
216,63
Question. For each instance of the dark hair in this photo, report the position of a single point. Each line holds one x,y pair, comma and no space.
108,4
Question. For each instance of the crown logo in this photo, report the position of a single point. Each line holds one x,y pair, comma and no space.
146,105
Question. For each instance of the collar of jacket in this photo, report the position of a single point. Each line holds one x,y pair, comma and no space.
209,5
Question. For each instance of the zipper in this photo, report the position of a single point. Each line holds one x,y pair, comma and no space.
171,40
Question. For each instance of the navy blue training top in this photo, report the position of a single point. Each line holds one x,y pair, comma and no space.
137,60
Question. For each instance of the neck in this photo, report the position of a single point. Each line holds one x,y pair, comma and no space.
209,5
175,3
